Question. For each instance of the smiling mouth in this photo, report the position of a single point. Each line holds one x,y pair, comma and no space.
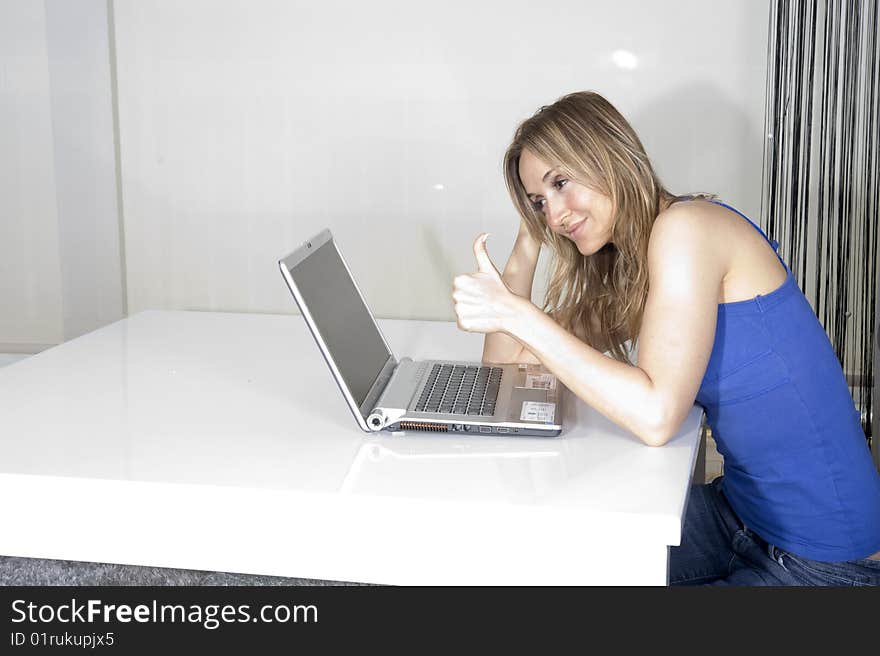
576,227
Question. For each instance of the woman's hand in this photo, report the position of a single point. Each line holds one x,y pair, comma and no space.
483,303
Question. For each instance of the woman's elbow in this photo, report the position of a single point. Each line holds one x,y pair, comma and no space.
654,438
660,430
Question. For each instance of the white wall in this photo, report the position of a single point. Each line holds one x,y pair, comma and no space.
247,127
61,272
92,277
244,128
30,284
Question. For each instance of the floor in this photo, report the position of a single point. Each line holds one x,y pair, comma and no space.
39,571
714,460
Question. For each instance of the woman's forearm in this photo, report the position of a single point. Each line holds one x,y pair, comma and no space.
622,392
519,276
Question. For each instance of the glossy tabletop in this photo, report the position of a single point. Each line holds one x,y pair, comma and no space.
219,441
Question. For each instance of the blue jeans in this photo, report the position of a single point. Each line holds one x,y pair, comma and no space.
716,549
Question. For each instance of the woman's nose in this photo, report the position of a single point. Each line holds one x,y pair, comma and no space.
556,212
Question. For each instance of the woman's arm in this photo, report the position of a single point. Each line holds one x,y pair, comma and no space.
678,329
519,275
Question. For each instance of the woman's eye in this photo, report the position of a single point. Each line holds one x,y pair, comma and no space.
560,183
538,204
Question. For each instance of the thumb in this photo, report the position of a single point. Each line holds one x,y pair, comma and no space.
484,262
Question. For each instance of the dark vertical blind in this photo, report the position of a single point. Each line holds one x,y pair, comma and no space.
821,178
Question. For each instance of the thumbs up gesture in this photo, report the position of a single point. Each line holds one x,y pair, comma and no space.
483,303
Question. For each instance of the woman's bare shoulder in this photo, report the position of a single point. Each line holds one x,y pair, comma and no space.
696,223
719,240
706,218
696,210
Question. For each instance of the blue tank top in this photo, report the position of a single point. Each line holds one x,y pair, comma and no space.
797,467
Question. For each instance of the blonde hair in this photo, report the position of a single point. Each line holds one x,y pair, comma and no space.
589,141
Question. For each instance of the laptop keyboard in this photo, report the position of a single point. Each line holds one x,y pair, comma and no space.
461,390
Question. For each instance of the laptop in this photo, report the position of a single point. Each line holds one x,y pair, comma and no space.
405,395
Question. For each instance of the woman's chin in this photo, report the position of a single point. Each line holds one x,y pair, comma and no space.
587,247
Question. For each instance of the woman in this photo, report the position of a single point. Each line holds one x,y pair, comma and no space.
719,321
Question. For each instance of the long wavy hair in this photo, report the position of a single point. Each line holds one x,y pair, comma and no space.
590,142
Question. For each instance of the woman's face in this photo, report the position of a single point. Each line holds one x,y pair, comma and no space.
572,210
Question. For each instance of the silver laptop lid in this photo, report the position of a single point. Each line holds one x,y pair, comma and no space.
339,319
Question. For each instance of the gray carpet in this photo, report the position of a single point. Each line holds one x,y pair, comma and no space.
38,571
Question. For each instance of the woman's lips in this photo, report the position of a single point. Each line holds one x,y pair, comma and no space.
573,233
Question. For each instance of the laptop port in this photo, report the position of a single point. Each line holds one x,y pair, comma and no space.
424,426
485,429
502,430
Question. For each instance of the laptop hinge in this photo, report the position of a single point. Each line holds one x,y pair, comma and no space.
392,404
378,387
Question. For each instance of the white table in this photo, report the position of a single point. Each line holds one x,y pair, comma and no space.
218,441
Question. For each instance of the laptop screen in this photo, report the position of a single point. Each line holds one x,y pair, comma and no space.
343,320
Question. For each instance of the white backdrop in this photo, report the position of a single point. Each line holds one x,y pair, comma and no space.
30,278
246,127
